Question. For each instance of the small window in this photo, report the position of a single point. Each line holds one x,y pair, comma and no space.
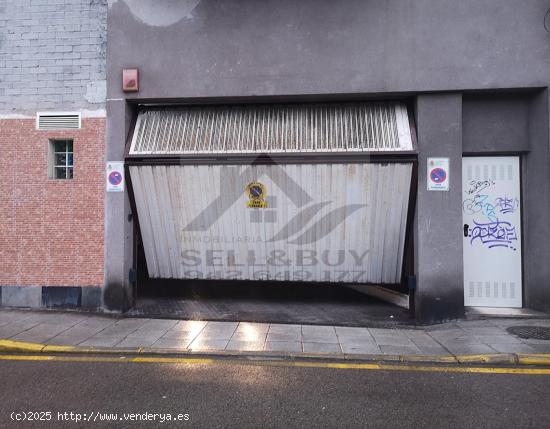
61,159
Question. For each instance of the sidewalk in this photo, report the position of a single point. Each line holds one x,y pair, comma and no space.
89,332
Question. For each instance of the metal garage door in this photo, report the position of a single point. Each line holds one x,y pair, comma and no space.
327,221
312,222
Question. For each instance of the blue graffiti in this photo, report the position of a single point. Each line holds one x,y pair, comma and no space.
479,204
494,234
506,205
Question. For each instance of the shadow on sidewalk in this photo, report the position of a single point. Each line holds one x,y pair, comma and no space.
268,302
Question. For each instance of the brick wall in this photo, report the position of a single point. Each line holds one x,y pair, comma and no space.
52,55
51,231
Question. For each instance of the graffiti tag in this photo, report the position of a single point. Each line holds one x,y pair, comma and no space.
506,205
476,186
480,204
494,234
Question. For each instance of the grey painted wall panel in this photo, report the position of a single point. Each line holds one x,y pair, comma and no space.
495,123
438,223
536,203
249,48
117,293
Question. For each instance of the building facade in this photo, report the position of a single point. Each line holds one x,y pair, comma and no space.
473,75
52,131
314,86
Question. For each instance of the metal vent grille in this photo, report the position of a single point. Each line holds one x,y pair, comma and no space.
502,290
272,128
531,332
57,121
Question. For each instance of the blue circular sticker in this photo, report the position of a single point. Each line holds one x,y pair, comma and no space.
438,175
115,178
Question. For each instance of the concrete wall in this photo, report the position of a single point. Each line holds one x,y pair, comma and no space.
209,48
119,234
458,60
52,55
496,123
438,217
536,204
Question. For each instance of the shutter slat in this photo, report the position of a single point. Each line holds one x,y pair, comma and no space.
330,127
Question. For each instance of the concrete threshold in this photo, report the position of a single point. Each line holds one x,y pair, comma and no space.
508,313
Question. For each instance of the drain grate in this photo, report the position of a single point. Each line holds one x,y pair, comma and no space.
530,332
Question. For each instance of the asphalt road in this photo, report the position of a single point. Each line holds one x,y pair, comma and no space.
242,395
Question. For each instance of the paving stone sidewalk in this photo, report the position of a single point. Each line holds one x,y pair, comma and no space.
92,330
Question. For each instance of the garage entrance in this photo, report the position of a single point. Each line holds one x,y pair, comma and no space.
277,197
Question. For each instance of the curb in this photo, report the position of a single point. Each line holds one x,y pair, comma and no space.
504,359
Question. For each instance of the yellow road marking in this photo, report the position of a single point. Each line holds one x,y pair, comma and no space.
155,359
21,345
534,360
282,363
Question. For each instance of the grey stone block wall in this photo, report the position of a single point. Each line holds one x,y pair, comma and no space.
29,296
52,55
86,297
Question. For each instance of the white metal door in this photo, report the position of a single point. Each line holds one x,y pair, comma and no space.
491,210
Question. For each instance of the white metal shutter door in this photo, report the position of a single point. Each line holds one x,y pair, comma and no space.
323,222
492,231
